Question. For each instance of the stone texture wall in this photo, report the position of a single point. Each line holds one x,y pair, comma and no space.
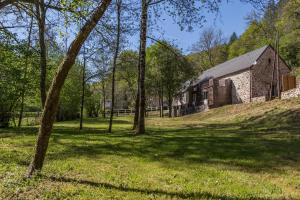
240,91
293,93
259,99
261,74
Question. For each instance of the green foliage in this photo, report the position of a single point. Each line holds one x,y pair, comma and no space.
18,74
201,61
70,97
127,73
168,68
92,101
251,39
289,24
282,18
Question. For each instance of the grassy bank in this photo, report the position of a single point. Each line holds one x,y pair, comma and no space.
234,152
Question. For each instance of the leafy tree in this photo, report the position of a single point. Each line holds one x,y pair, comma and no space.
289,25
51,104
170,67
127,72
233,38
17,79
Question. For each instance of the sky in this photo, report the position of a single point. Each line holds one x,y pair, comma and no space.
230,19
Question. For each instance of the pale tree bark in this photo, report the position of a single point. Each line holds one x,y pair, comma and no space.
117,48
170,100
25,74
137,100
83,90
51,104
140,129
41,18
104,98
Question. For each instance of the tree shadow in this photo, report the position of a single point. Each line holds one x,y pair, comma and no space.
267,142
252,145
148,191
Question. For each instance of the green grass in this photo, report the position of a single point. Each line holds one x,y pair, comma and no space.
247,151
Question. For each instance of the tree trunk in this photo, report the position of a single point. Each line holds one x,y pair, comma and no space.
104,98
143,41
170,104
137,98
277,64
51,104
119,4
25,76
137,102
41,18
162,102
83,90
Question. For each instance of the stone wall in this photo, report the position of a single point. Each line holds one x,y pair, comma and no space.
259,99
293,93
261,74
240,91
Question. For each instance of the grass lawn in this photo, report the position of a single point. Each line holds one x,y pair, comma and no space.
247,151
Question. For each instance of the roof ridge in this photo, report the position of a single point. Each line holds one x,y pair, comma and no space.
235,64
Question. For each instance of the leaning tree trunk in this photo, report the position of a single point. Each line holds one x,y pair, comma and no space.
83,91
119,4
41,18
51,104
143,40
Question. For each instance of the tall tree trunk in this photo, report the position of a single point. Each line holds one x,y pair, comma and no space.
119,4
137,102
25,75
104,98
51,104
143,41
41,15
162,101
83,90
137,98
277,64
170,103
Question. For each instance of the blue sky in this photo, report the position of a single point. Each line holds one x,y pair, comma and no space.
230,19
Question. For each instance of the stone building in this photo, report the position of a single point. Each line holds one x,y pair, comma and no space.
247,78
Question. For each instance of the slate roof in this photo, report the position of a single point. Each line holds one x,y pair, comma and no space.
236,64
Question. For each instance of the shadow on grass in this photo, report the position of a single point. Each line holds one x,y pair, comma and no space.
262,143
148,191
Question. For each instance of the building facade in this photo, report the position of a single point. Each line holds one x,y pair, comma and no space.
250,77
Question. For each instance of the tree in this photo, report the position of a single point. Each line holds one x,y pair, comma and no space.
41,19
170,66
25,73
117,49
51,104
128,72
186,13
210,46
233,38
289,25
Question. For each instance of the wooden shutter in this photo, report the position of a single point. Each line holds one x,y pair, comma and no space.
285,83
292,82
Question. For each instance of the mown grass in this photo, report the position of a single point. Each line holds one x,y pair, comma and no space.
247,151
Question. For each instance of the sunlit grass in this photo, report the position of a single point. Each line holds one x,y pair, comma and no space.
235,152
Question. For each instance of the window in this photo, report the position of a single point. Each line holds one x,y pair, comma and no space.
274,90
270,60
204,95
